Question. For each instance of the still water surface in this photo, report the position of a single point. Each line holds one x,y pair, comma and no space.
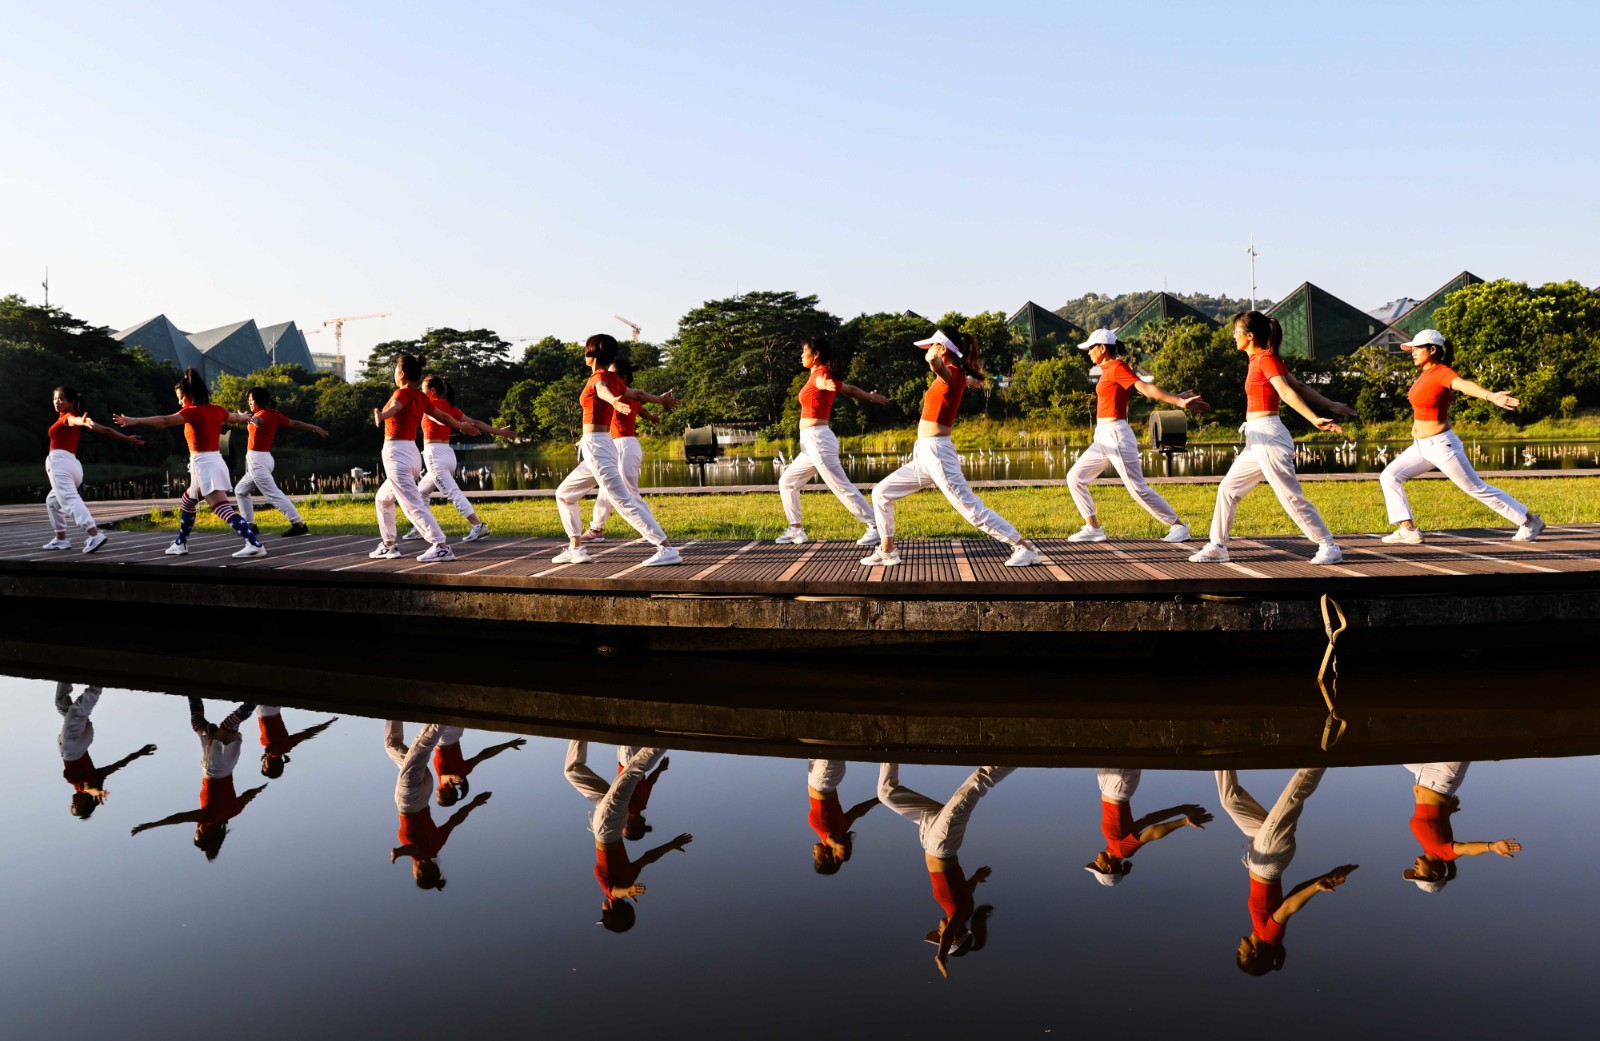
309,922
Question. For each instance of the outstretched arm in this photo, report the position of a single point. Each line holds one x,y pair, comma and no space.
1504,847
1301,895
295,424
860,809
494,750
668,401
653,855
440,416
1295,401
872,397
1161,831
1191,402
114,434
177,818
460,816
484,428
1317,400
107,771
174,420
1471,389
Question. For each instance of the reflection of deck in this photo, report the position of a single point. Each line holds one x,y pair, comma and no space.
752,595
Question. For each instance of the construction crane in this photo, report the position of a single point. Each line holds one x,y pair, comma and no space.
630,325
338,334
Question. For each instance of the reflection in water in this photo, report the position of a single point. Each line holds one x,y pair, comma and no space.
420,838
617,874
77,734
277,742
220,745
453,768
828,817
1126,836
1435,792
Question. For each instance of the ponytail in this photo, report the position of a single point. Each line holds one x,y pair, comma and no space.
411,366
971,354
1266,330
193,387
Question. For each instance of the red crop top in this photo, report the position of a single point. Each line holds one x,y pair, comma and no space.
943,400
1111,393
954,895
1116,824
64,436
827,817
816,403
597,411
402,426
625,425
265,429
1265,899
202,426
1430,396
1259,393
434,431
1431,825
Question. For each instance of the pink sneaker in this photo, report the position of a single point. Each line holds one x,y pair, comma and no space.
592,535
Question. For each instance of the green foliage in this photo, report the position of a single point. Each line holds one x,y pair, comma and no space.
1185,356
876,354
475,361
1542,345
1055,389
739,355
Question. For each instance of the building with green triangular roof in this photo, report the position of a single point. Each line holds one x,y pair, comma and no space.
1043,331
1317,324
1421,317
1162,307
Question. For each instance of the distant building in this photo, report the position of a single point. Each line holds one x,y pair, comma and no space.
1421,317
1392,310
1043,332
1162,307
163,341
286,345
237,349
1317,324
327,363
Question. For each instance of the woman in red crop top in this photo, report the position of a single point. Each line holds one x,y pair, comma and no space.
1435,794
1115,444
819,448
1268,453
1435,446
598,467
630,455
209,480
440,458
934,461
1125,836
420,838
828,817
65,472
259,464
402,464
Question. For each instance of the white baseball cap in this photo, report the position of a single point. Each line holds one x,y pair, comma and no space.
942,340
1099,338
1109,878
1426,338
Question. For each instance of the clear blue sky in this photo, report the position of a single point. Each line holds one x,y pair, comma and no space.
535,169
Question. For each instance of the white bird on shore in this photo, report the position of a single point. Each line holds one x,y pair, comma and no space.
358,473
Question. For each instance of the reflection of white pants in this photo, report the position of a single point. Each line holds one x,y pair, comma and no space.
402,466
1118,785
819,454
77,732
65,474
219,751
258,467
935,464
598,469
824,775
414,787
441,476
1445,454
630,460
1271,835
1444,778
1115,444
1267,455
609,798
940,826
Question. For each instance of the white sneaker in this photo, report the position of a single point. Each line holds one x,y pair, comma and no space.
663,556
57,544
386,551
250,551
1530,529
479,530
572,555
411,536
1088,533
178,549
1210,553
1403,537
881,559
95,542
1327,553
793,535
436,554
871,538
1023,556
1179,532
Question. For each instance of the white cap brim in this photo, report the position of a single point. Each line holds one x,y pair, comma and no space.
1106,878
942,340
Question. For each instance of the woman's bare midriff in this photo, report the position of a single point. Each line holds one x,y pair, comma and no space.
927,428
807,424
1425,428
594,428
1261,415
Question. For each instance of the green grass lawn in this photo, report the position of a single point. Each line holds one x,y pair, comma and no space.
1348,506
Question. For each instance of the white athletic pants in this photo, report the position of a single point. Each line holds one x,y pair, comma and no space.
597,469
609,798
630,460
414,787
65,474
1118,785
1267,455
935,464
1115,444
824,775
1270,836
1444,453
1444,778
441,476
257,477
77,731
819,454
402,467
940,826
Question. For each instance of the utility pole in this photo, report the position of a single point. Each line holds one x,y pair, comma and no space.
1253,255
46,284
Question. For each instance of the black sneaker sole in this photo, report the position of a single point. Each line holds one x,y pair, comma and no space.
296,531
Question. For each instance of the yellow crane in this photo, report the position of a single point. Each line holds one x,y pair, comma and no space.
338,334
630,325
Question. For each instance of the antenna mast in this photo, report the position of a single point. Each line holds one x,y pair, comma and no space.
1253,255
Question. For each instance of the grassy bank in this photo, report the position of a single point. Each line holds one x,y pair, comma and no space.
1348,507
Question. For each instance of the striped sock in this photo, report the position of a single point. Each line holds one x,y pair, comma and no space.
237,716
186,508
197,715
241,527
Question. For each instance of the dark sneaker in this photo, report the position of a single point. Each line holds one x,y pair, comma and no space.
296,529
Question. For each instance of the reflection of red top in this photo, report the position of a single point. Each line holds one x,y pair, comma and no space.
951,890
1259,393
597,411
434,431
1116,824
827,817
218,801
265,429
1431,825
275,736
418,831
447,759
202,426
63,436
816,403
80,772
1265,899
943,400
1430,396
402,426
639,801
1111,393
612,868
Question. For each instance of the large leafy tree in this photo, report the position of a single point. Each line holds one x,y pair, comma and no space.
1542,344
877,354
475,361
1185,356
738,356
